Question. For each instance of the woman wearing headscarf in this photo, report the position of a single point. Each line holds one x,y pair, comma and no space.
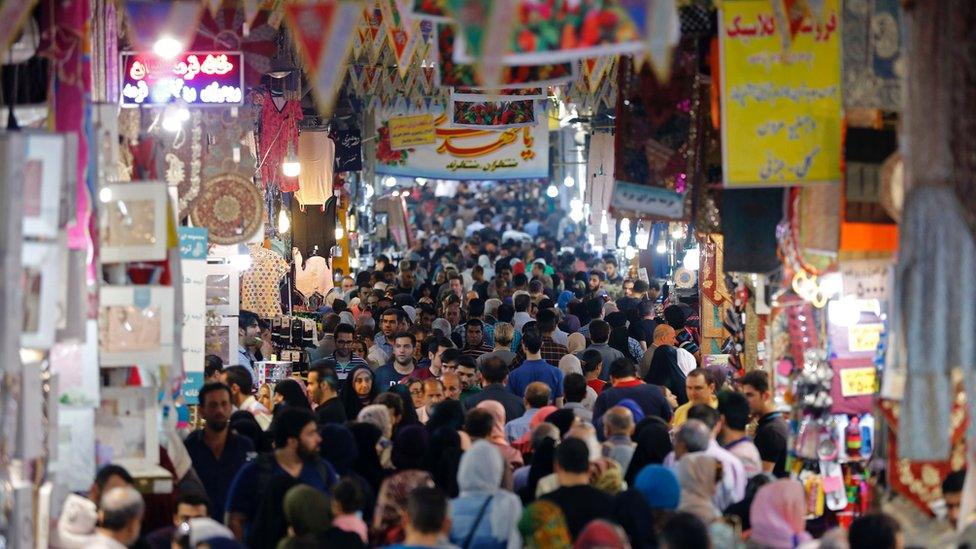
778,516
497,437
441,325
309,517
410,448
524,443
358,391
569,364
601,534
391,504
289,392
659,487
664,372
484,515
620,341
367,464
378,415
447,413
444,458
563,300
699,475
577,342
543,526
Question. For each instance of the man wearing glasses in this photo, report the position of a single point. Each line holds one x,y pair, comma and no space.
343,360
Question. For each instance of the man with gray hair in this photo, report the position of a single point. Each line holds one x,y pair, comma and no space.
618,426
120,518
692,436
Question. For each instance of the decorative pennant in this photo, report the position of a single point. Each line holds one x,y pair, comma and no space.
663,33
323,33
148,20
13,15
400,36
251,9
594,69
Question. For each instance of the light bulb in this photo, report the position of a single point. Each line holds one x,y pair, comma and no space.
167,47
692,260
172,122
183,113
420,181
396,193
339,232
291,167
105,195
677,231
284,224
569,181
351,222
353,262
604,223
662,245
643,237
630,253
552,191
389,181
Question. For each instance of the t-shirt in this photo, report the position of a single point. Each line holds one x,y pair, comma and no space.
649,397
581,504
387,376
330,411
342,368
596,384
771,438
681,413
536,370
244,491
217,475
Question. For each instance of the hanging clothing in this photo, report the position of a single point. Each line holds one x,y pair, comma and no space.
348,150
259,284
316,153
312,274
933,319
314,226
279,128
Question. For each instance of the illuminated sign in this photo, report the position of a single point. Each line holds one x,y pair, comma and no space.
198,78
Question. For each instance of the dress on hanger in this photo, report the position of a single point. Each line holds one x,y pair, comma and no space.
279,127
314,226
316,153
259,284
312,275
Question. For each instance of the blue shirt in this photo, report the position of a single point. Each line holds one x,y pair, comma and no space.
386,376
217,474
536,370
243,496
247,361
520,425
381,342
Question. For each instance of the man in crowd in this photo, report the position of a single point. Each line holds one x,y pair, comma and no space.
733,485
700,389
537,395
343,360
624,383
734,409
323,391
772,433
238,379
476,311
433,395
475,346
389,322
296,454
403,364
494,374
579,501
523,306
574,392
534,368
504,334
467,372
248,333
600,335
551,351
188,506
217,452
119,518
452,385
426,521
618,427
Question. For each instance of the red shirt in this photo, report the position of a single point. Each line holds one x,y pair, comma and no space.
597,385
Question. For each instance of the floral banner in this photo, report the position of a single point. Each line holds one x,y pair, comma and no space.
492,114
455,74
464,153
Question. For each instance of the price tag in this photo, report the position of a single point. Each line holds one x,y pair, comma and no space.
858,381
864,337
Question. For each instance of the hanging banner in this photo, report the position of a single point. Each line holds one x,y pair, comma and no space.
481,114
455,74
323,33
434,10
411,131
781,108
547,32
400,35
461,153
193,268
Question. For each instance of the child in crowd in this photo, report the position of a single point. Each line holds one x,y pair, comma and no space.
347,503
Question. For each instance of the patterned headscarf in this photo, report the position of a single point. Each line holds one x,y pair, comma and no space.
543,526
391,503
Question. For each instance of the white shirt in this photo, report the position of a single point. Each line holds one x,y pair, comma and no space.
686,361
520,319
560,337
260,413
101,541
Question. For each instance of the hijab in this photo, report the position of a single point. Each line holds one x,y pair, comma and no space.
524,443
367,464
542,466
444,458
778,515
492,305
697,476
659,486
447,413
664,371
562,418
601,534
338,446
352,402
307,510
576,343
442,325
620,341
543,526
293,393
563,300
391,504
480,475
569,364
635,409
497,436
410,447
378,415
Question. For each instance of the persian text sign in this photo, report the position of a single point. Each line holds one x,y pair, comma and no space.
411,131
193,253
467,153
198,78
858,381
781,108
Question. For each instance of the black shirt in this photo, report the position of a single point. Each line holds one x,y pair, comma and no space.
581,504
771,438
514,407
331,411
217,474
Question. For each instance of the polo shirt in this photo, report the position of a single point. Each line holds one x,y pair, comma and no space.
681,413
772,435
536,370
342,369
217,474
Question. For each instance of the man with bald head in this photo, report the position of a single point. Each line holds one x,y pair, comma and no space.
119,518
665,335
618,426
452,385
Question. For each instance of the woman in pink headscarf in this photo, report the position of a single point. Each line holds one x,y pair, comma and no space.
778,516
497,437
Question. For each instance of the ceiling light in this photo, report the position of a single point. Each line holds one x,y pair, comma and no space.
569,181
291,167
552,191
389,181
167,47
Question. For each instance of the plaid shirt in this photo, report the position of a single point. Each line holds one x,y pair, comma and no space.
552,352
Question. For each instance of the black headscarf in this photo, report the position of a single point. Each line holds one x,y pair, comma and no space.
620,340
443,459
447,413
293,394
244,424
542,465
410,448
338,447
653,445
350,400
631,512
367,464
563,419
409,412
664,371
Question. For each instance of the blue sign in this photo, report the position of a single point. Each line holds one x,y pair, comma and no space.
193,242
196,78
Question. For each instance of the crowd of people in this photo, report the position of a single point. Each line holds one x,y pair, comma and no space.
479,390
